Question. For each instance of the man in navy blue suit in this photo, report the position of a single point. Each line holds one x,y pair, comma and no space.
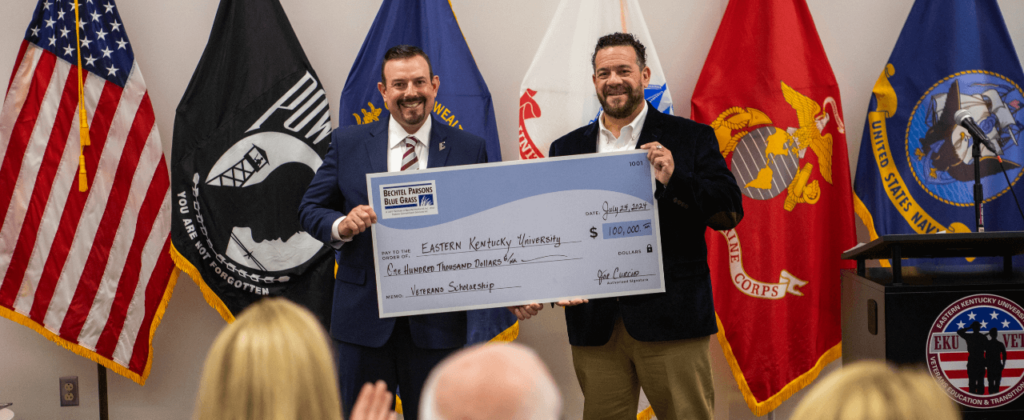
657,341
335,209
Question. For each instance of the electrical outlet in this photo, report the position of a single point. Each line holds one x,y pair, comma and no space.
68,391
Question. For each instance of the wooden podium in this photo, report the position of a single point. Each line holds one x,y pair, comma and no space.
891,313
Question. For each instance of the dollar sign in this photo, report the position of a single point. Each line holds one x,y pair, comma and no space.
593,232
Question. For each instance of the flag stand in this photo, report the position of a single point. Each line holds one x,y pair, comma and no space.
101,379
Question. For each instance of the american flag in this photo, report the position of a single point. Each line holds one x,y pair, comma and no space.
89,270
952,349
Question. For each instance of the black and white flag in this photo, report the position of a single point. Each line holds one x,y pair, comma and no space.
249,133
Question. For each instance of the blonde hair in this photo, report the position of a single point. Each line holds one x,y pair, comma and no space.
873,390
272,363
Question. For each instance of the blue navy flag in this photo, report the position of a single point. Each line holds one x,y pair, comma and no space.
915,173
463,100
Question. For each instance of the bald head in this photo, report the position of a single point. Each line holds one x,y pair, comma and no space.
491,382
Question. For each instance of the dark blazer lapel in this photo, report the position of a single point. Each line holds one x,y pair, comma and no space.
377,147
652,126
588,144
437,150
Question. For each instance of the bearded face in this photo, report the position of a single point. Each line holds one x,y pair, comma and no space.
409,91
617,107
619,81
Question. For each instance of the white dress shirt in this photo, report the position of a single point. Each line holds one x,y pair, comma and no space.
396,149
628,135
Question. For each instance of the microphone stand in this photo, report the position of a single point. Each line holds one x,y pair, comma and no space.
979,213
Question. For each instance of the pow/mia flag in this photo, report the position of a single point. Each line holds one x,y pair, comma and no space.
249,134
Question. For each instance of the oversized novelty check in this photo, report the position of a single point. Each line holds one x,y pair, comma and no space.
511,233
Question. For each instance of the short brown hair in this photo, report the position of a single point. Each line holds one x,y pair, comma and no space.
399,52
620,39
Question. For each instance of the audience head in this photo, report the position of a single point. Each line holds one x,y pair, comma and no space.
871,390
491,382
273,362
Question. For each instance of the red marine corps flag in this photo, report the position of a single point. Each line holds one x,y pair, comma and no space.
768,91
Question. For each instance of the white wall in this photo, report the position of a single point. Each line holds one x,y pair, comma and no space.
169,36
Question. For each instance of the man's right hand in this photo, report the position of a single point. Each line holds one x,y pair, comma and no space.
357,221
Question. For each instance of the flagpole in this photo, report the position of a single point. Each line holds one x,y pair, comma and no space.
622,15
101,379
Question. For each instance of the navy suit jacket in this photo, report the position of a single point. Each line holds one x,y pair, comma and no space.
702,192
338,187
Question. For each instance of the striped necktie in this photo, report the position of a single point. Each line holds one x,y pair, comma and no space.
409,160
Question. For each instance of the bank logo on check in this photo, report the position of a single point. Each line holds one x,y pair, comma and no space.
409,199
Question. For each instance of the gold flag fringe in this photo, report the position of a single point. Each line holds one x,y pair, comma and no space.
211,297
509,335
90,353
773,402
647,414
869,221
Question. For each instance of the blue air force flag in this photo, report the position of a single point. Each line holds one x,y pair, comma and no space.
462,101
915,173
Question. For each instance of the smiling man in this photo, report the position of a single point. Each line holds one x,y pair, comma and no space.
657,341
335,210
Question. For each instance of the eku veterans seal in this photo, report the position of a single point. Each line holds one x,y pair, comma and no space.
975,350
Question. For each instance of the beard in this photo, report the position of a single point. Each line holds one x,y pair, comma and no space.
414,118
633,99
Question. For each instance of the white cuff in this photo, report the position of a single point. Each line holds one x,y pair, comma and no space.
336,240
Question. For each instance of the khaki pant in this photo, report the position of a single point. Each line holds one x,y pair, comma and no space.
675,376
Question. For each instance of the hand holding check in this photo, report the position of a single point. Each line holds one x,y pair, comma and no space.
357,221
525,312
661,160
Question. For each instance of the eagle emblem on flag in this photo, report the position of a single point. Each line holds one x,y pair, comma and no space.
773,160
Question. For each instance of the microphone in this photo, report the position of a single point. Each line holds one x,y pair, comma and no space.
964,119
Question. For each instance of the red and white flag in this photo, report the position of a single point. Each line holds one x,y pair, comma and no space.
85,219
557,94
768,91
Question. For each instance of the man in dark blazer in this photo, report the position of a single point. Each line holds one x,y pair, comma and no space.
335,209
656,341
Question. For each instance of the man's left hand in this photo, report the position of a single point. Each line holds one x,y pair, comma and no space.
661,160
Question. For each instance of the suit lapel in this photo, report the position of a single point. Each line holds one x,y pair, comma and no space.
652,126
377,147
589,140
437,150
